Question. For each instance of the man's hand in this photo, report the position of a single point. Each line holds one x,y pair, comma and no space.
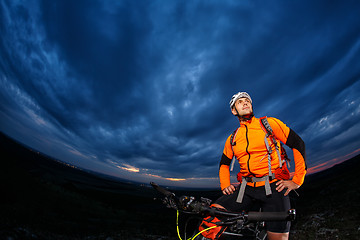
290,185
228,190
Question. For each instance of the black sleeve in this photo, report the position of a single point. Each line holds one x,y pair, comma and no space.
225,160
295,141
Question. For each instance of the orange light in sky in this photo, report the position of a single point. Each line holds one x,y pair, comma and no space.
129,168
175,179
328,164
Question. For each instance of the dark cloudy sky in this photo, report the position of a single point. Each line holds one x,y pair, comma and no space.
140,89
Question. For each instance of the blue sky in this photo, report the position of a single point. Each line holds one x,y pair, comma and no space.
140,89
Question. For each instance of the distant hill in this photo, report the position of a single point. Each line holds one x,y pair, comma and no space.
329,203
348,168
45,199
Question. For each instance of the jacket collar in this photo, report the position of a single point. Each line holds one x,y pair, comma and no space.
249,121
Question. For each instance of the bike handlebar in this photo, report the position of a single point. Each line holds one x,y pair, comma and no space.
188,204
272,216
162,190
250,216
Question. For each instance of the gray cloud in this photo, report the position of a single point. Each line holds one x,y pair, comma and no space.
107,85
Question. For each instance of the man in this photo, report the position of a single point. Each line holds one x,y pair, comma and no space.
248,145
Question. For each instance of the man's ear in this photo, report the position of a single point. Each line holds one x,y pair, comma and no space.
233,110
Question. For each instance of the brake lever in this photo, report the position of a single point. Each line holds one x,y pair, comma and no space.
206,201
170,202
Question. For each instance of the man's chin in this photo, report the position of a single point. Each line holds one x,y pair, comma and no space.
246,114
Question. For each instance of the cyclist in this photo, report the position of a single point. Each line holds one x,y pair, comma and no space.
269,188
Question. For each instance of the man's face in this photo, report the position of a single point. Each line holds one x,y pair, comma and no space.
242,107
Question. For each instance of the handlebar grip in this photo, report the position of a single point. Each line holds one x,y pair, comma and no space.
272,216
162,190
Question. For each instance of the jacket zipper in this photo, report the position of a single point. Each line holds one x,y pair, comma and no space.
247,151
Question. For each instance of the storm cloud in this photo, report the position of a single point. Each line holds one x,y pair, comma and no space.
140,89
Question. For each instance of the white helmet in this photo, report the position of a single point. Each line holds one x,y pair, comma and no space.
237,96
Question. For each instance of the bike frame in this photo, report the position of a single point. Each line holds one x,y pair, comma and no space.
236,222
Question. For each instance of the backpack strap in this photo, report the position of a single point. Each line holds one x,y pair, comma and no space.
232,143
244,182
284,156
264,123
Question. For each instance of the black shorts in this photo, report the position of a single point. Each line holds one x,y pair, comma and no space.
255,196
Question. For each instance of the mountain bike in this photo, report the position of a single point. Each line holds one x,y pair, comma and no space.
244,225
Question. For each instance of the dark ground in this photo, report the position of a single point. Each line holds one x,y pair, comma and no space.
329,204
44,199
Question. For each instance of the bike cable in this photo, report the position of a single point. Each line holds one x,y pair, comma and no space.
192,238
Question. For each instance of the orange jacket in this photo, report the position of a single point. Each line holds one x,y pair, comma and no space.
251,152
